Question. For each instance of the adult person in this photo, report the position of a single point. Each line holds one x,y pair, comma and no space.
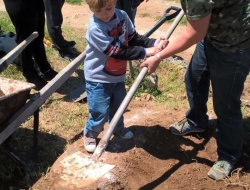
54,18
222,55
27,17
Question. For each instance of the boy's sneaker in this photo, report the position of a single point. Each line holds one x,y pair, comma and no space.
182,128
70,54
89,144
124,133
49,75
220,170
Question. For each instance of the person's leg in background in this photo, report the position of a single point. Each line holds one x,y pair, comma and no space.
127,6
54,19
24,17
39,52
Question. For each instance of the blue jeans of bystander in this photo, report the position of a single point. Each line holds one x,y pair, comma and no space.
197,82
228,72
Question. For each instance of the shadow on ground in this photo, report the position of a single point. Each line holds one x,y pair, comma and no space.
21,164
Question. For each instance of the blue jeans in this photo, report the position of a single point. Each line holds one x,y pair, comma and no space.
104,100
197,82
227,72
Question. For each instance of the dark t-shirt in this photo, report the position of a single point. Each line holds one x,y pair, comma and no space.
229,28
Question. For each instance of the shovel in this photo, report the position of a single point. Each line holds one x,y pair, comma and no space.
79,93
13,54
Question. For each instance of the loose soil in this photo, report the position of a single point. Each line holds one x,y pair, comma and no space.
154,158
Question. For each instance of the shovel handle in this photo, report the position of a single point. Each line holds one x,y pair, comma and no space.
13,54
173,25
166,16
107,134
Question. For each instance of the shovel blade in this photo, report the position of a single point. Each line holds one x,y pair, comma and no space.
78,94
75,169
82,170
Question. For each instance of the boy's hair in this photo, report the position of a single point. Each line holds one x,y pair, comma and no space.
98,4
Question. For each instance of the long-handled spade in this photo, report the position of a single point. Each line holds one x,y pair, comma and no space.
79,170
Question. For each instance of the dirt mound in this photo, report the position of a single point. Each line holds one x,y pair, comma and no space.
154,158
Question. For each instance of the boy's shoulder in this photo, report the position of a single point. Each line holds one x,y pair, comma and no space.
121,12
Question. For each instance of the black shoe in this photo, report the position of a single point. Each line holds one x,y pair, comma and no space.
70,43
38,81
47,76
69,54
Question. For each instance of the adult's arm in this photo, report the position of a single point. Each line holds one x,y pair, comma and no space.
195,31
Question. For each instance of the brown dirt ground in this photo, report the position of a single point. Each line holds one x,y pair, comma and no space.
154,158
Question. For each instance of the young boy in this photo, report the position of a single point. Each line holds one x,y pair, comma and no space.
112,40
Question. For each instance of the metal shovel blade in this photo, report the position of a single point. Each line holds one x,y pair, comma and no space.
78,94
75,169
82,168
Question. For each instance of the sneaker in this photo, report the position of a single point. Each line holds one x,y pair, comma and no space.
182,128
38,82
69,54
220,170
49,75
124,133
89,144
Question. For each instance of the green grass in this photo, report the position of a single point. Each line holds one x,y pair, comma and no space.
5,23
145,15
75,2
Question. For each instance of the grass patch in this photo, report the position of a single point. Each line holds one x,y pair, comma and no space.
75,2
145,15
5,22
183,21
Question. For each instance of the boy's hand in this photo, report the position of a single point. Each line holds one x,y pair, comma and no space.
152,51
161,43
